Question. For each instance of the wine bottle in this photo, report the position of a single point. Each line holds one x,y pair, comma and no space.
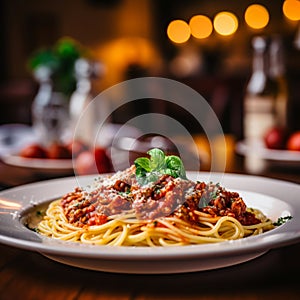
278,73
259,106
259,102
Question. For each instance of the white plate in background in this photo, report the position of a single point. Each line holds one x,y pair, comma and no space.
43,164
259,149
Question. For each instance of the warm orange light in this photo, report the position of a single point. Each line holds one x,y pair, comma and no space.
257,16
178,31
225,23
291,9
119,54
9,204
201,26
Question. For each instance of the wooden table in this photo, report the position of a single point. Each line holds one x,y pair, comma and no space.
29,275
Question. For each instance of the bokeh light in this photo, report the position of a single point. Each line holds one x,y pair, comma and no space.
291,9
201,26
257,16
225,23
178,31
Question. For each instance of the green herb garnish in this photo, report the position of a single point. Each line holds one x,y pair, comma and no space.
282,220
150,169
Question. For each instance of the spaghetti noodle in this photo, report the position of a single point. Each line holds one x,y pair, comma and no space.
170,211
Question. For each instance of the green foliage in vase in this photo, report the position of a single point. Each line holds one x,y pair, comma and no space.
60,59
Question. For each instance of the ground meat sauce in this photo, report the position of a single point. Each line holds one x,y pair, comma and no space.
215,200
161,198
83,208
167,196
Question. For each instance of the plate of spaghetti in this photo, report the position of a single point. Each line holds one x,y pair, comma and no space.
153,217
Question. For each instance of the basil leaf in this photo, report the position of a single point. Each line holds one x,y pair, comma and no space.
171,172
157,159
143,163
149,170
175,163
146,178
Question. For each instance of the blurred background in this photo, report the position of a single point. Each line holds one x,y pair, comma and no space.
206,44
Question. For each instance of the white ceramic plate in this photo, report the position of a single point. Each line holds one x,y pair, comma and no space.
261,151
14,137
40,165
275,198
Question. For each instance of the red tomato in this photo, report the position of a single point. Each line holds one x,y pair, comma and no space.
58,151
76,147
33,151
85,163
293,142
275,138
93,162
102,160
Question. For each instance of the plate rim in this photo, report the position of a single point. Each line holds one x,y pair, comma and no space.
269,154
38,163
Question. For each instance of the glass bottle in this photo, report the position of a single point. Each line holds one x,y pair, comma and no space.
82,118
259,106
50,115
278,74
259,102
85,109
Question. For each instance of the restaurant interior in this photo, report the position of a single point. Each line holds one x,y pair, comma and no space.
207,46
129,38
88,51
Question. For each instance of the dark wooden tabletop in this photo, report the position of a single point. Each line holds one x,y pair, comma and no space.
29,275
